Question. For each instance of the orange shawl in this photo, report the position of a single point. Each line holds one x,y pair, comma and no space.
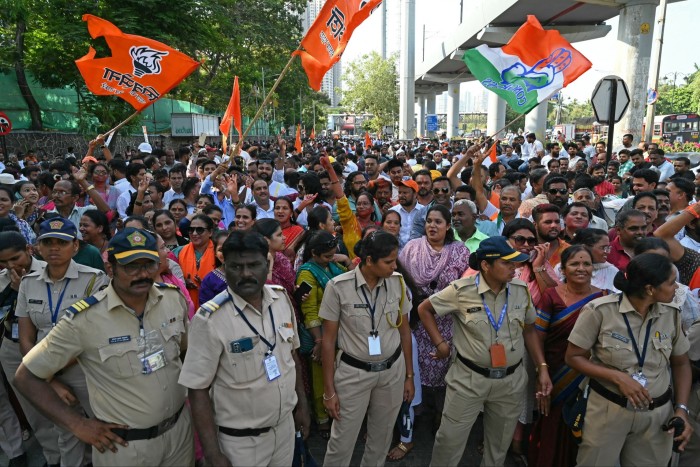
188,263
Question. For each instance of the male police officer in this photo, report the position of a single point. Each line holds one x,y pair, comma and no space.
490,311
242,368
128,339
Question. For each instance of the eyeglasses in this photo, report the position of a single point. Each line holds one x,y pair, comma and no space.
60,193
132,269
198,230
520,240
561,191
436,191
606,249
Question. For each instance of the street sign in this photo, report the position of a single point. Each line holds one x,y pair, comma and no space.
652,96
431,122
5,124
610,99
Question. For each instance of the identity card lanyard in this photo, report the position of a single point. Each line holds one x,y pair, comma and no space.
497,350
639,376
375,347
270,361
54,312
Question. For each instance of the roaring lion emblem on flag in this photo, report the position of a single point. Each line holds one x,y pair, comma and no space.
146,60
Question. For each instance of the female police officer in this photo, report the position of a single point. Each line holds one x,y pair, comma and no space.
637,348
365,311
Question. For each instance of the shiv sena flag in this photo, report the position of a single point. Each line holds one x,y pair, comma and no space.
233,112
325,41
140,70
297,140
532,66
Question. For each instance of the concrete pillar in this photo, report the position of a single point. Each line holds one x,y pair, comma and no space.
536,121
407,126
452,110
382,28
496,117
420,128
634,39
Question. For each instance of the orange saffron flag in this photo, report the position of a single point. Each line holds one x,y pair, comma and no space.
233,112
327,38
297,141
313,134
140,70
368,140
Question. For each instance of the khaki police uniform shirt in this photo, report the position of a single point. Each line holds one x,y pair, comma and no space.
344,302
5,280
103,335
241,393
601,328
33,300
473,333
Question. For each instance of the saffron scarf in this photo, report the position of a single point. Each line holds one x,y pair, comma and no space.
188,263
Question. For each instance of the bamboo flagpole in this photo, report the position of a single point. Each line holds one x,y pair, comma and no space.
124,122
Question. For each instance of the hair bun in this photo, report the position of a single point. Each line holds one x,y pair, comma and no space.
620,281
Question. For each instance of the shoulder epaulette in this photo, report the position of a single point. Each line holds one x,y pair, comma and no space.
464,282
164,285
214,304
276,287
610,298
519,282
81,305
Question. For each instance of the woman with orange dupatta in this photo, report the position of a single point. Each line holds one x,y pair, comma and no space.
293,233
197,258
551,441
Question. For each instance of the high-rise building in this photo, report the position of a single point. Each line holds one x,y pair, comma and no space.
332,80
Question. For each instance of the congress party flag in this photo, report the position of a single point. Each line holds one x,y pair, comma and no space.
233,113
140,70
532,66
326,39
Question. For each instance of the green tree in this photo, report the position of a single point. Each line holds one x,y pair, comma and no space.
371,86
681,95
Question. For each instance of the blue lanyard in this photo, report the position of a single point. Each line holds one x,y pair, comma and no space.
372,309
496,326
640,357
271,347
54,311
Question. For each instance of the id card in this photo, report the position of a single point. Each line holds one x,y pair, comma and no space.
15,330
153,362
286,333
498,355
271,368
375,347
640,378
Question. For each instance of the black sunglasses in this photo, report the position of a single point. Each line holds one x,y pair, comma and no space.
436,191
561,191
198,230
520,240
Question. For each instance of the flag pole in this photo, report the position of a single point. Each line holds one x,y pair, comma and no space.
264,103
507,125
124,122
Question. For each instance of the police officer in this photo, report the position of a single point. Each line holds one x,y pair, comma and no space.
691,453
365,311
129,338
242,368
16,261
43,298
637,351
494,317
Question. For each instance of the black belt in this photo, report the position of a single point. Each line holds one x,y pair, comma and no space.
244,432
371,366
492,373
8,334
656,402
135,434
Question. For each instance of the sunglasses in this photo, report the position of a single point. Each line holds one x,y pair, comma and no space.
198,230
520,240
561,191
436,191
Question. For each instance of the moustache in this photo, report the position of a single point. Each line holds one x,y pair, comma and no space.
247,282
149,282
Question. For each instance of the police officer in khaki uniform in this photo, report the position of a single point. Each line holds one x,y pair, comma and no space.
637,353
691,454
242,369
16,261
494,322
366,312
129,339
44,295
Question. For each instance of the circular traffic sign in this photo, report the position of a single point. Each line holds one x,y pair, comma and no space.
5,124
652,96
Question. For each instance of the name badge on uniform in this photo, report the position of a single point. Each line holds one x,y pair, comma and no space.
15,331
360,305
271,368
375,347
474,309
286,332
33,301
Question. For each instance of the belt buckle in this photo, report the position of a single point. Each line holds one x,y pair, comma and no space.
377,366
497,373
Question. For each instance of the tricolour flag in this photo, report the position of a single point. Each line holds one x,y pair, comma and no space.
326,39
233,112
531,67
140,70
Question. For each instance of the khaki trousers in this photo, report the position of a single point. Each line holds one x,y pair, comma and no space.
10,431
274,448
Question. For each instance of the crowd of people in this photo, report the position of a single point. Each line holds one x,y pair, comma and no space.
182,306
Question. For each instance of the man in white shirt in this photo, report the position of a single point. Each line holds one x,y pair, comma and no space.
531,146
177,178
627,141
261,199
407,208
440,163
665,168
134,173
